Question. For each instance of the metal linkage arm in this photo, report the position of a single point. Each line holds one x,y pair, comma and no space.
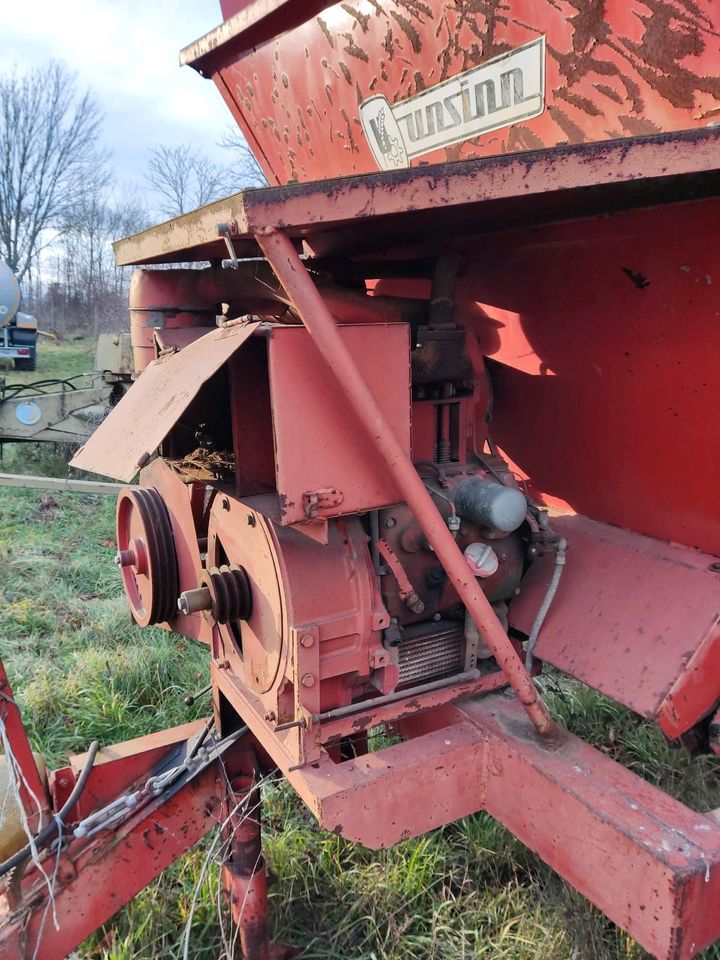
31,786
316,316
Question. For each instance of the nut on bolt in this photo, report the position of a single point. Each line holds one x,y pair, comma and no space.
192,601
307,680
415,603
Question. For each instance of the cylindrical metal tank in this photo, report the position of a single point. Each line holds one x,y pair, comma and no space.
9,294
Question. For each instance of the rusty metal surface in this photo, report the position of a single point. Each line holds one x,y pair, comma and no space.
317,442
371,419
98,878
255,22
33,794
369,212
614,69
118,767
603,336
125,441
647,861
651,864
68,416
630,618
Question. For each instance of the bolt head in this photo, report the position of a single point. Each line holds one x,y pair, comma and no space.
307,680
307,640
390,522
270,716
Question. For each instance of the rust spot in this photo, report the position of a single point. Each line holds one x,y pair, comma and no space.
582,103
416,8
388,45
362,18
609,92
571,130
409,30
642,283
328,36
354,50
638,126
344,69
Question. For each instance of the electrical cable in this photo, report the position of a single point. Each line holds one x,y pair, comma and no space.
54,826
545,605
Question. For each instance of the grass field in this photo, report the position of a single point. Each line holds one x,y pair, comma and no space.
64,358
470,890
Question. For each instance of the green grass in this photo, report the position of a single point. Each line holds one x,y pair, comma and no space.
55,358
469,891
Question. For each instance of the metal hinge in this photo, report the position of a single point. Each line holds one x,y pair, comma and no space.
324,499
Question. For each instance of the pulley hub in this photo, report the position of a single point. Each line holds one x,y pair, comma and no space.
146,555
229,593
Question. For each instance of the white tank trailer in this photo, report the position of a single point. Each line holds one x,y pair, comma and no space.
18,330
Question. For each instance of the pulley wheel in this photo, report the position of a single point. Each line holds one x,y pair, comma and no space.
146,555
230,593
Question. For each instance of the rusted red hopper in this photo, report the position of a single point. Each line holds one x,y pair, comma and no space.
330,89
439,416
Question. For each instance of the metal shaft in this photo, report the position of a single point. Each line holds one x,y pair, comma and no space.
244,870
321,325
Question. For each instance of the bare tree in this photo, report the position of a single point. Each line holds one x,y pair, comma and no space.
48,142
184,178
93,289
244,168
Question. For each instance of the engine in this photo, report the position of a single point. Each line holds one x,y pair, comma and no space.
269,531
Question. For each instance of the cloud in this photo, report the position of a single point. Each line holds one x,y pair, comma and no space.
126,52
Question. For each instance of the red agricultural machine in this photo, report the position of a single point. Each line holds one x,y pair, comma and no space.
441,410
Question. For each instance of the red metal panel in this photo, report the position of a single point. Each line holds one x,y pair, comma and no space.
368,798
98,878
441,203
317,439
651,864
148,411
620,68
606,332
117,768
635,618
647,861
32,791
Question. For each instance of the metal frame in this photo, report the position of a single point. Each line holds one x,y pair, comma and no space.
374,211
651,864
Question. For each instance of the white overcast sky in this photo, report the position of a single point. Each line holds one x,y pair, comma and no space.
126,52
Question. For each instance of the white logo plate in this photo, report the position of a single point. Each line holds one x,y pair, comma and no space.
494,94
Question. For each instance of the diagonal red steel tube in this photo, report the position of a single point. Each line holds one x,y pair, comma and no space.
308,302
